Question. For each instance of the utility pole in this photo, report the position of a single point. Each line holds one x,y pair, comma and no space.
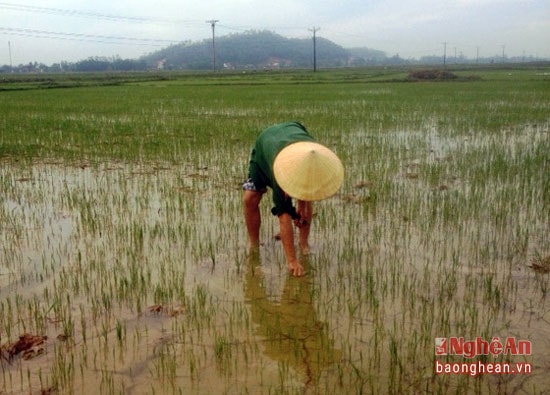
314,30
444,53
503,47
477,55
213,24
9,49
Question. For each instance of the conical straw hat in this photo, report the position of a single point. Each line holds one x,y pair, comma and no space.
308,171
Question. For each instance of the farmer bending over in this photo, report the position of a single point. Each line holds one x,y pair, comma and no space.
287,159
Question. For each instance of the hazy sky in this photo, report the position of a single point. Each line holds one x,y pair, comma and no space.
50,31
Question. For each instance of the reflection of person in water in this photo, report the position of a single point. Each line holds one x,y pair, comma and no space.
291,329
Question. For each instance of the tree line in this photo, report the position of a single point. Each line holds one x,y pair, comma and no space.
252,50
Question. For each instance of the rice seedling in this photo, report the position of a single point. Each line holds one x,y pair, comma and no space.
121,236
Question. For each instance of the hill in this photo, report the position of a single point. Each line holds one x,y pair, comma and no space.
252,50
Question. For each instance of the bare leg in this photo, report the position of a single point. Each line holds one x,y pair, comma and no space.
305,210
252,217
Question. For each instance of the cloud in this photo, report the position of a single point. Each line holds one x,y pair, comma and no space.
410,28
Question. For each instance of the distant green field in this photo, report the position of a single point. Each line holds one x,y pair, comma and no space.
122,238
154,116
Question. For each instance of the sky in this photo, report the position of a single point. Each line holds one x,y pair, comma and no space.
52,31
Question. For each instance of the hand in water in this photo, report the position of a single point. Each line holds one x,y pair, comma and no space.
296,269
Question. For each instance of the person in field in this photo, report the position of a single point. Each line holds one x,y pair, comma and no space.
287,159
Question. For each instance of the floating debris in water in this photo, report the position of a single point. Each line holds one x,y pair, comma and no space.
171,311
28,345
541,265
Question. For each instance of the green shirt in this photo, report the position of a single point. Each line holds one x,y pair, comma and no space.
268,144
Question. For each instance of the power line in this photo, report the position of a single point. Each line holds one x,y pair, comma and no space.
94,15
85,37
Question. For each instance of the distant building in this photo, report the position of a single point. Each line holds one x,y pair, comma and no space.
161,64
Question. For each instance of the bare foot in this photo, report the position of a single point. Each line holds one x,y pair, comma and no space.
253,248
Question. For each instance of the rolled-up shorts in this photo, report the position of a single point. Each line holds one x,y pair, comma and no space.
249,185
255,181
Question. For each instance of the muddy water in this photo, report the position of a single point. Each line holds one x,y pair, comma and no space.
116,267
139,277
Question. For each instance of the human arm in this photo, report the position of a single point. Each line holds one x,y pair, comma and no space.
287,239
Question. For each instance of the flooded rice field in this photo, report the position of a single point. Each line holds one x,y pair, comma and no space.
132,276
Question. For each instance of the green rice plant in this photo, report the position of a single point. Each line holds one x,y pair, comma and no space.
117,200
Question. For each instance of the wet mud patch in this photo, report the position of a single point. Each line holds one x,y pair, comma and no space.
27,346
541,264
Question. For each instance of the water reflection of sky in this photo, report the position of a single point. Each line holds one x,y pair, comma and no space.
48,249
